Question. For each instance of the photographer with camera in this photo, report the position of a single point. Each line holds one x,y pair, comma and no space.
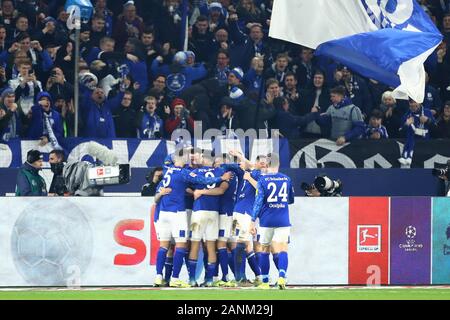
56,160
153,178
323,186
444,175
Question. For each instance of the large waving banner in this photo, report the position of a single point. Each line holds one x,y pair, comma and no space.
383,40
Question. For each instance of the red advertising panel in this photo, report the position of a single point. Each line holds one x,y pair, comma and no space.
369,241
154,244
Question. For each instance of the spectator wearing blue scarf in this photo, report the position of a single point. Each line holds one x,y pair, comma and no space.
417,123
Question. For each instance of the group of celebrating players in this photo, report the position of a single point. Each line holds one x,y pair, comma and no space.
217,201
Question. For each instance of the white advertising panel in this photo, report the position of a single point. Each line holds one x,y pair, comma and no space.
107,242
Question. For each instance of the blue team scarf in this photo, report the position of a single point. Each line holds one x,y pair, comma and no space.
346,102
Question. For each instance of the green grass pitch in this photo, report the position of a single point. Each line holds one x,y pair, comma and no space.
310,293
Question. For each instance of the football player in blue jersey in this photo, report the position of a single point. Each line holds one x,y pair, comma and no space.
227,191
172,222
274,194
247,174
205,221
160,192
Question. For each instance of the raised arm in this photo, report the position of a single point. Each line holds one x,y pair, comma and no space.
248,177
258,201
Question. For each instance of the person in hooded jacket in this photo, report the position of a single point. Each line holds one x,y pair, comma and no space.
96,112
43,113
179,77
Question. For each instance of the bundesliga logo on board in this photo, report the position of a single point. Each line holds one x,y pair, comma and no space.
369,238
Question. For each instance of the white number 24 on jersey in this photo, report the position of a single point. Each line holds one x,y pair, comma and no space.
274,195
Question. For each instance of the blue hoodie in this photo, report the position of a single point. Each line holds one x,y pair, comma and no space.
98,121
37,127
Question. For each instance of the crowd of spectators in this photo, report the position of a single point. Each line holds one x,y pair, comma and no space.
137,82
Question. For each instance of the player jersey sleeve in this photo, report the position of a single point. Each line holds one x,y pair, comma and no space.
259,201
193,178
233,167
291,192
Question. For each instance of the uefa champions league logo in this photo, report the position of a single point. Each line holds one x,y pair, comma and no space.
389,13
410,232
411,244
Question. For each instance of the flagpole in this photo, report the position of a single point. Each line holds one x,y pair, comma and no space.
185,25
76,79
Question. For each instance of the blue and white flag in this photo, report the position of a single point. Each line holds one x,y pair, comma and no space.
385,40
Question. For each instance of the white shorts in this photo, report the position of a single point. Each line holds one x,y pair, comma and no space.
225,226
204,225
189,215
269,235
241,226
172,225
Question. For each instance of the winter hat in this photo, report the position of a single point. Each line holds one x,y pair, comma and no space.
226,101
49,19
215,6
127,3
236,94
7,92
180,58
238,73
190,54
176,102
34,155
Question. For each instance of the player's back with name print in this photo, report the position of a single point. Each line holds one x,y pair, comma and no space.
277,188
173,179
278,194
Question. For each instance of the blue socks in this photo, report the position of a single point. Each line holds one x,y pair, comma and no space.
282,264
265,266
168,266
223,261
251,257
275,258
161,260
178,261
192,268
210,270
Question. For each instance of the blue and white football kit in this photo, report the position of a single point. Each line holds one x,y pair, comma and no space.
274,194
205,215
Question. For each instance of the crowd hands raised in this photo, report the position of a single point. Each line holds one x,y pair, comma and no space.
137,82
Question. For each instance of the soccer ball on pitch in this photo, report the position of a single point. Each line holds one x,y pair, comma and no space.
51,243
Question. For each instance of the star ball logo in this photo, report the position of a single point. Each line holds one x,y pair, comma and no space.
410,244
410,232
369,238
